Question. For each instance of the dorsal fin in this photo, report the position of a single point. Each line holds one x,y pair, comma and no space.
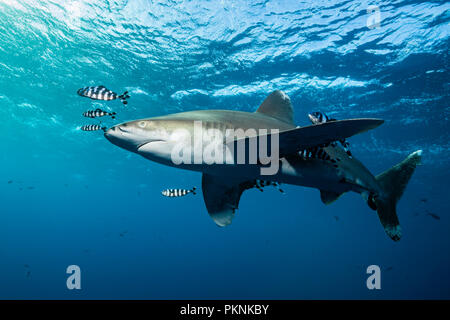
278,105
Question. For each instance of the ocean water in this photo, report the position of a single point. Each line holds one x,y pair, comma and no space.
69,197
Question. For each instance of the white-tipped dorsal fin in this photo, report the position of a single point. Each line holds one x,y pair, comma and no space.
278,105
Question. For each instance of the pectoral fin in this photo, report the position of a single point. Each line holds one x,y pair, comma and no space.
291,141
222,198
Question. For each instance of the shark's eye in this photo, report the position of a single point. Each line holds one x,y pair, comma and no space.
142,124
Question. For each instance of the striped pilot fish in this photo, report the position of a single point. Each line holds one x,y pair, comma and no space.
320,117
259,184
98,113
102,93
93,127
317,153
177,192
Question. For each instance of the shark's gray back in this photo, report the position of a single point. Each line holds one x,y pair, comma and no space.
230,118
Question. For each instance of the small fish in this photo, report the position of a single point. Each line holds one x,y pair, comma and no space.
97,113
177,192
320,117
102,93
424,200
30,188
315,153
122,234
277,185
389,268
336,218
28,274
10,181
93,127
259,184
434,216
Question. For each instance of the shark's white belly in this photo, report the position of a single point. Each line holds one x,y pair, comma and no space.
308,173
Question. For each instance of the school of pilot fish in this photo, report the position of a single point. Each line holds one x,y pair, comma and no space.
104,94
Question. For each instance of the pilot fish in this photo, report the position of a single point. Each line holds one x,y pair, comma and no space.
259,184
98,113
434,216
102,93
177,192
93,127
320,117
318,153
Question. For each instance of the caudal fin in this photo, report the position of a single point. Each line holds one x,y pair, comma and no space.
124,97
392,183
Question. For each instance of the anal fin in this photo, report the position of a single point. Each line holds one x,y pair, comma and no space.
329,197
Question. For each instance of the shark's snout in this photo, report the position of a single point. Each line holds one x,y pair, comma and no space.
130,136
112,133
123,137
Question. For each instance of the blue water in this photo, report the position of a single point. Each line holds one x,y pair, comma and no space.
77,199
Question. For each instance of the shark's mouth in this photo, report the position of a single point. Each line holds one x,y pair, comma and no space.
146,144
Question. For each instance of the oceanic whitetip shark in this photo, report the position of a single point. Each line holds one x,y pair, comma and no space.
305,156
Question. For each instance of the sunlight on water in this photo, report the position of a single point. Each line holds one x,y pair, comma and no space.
73,192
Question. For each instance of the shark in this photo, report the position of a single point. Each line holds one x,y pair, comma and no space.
302,156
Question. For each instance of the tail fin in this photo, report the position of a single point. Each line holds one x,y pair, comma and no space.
392,183
113,115
193,190
124,96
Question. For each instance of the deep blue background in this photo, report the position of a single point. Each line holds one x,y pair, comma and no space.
175,56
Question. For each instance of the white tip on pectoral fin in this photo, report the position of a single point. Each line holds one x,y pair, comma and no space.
223,218
394,232
416,157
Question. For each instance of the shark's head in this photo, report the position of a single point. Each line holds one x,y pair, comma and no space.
152,138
